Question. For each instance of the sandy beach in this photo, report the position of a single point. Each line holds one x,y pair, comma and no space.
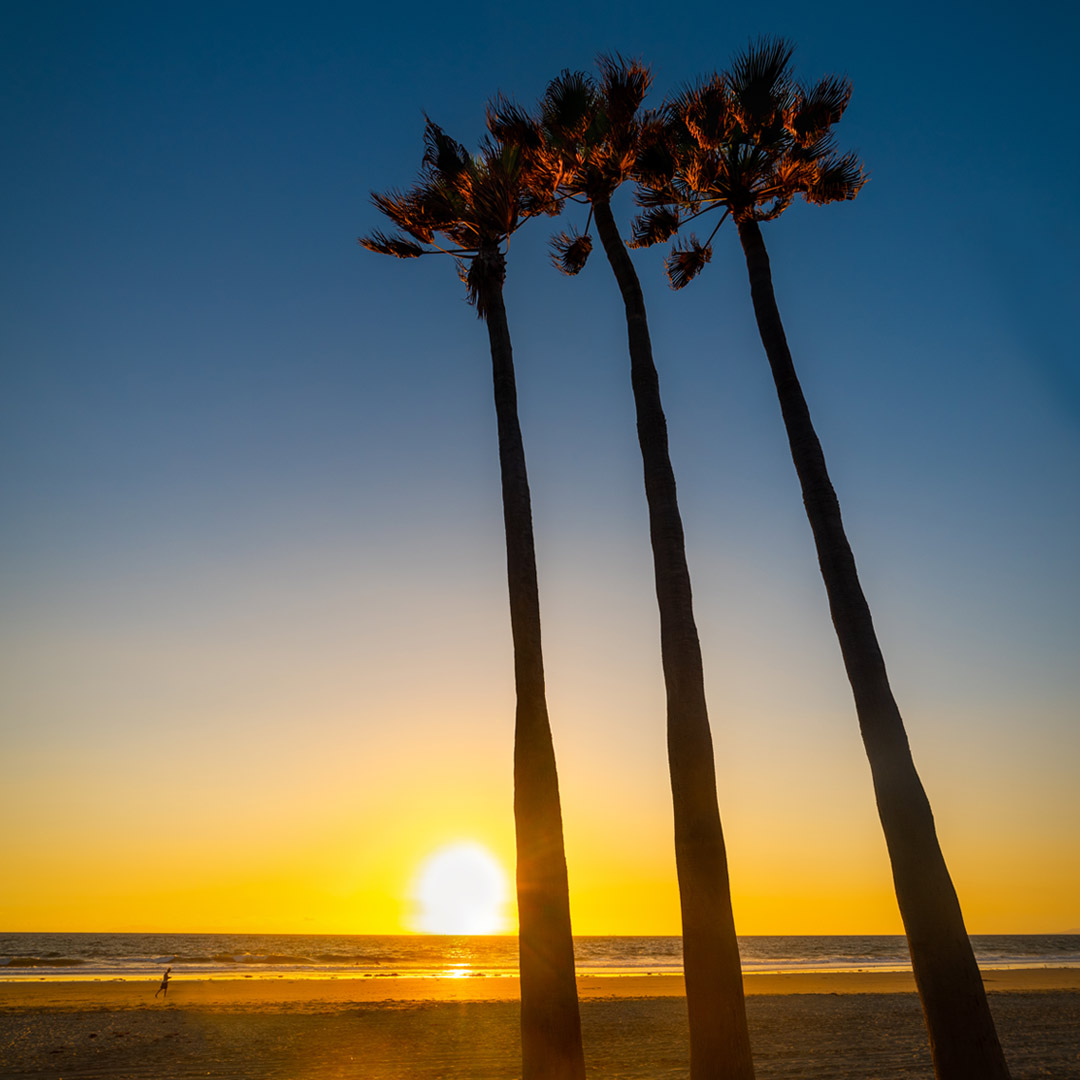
864,1025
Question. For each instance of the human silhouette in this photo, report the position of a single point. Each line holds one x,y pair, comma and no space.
163,989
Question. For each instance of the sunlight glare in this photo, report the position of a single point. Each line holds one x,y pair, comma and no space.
461,889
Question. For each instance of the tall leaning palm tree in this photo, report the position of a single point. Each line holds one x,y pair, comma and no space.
747,143
468,206
585,138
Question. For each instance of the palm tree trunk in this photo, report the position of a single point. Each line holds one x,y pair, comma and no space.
719,1039
963,1040
551,1045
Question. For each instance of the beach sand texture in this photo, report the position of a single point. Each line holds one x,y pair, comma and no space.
847,1027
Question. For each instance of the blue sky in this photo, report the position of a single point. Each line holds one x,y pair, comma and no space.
249,469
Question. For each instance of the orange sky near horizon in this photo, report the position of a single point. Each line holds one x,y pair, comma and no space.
306,838
285,761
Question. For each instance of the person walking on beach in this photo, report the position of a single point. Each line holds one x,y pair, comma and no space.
164,987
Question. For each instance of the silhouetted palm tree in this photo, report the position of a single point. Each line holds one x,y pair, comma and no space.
475,203
748,142
585,138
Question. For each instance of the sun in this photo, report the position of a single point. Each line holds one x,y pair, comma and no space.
461,889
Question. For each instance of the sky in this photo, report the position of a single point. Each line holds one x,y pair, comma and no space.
255,663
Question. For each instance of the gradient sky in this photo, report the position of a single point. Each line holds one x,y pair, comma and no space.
256,657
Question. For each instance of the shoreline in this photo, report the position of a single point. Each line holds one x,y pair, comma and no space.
268,993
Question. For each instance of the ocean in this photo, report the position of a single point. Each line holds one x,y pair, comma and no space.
142,956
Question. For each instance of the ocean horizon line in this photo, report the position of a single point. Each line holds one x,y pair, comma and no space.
54,956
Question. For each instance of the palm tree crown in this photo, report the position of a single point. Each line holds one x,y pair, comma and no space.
582,141
474,202
747,141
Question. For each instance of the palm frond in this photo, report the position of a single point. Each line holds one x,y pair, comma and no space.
444,156
686,261
654,226
503,158
407,211
647,196
769,211
812,148
657,145
818,107
706,174
762,67
569,105
538,171
620,153
792,174
623,86
496,192
540,197
760,82
750,172
705,111
398,246
513,124
570,251
433,207
837,180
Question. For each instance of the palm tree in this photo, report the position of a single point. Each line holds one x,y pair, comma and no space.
748,142
585,139
474,203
